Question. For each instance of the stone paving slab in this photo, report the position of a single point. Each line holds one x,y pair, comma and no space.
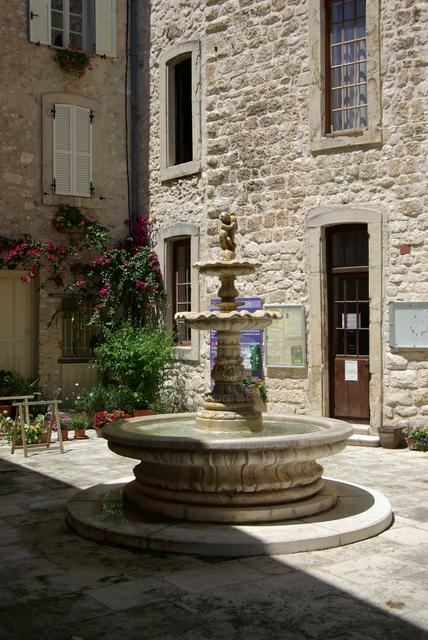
56,585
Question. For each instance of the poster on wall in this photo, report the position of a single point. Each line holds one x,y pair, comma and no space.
251,341
286,337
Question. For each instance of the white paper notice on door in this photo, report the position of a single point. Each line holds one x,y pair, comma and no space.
351,370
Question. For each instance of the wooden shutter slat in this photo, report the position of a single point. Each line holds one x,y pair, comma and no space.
62,140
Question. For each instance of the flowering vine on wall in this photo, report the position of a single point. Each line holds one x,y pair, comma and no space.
122,278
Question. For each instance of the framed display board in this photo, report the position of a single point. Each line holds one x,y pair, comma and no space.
408,325
285,343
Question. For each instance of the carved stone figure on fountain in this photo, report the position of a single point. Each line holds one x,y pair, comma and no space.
227,231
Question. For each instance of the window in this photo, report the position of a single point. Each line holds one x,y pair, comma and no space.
181,287
345,89
89,25
180,127
72,150
76,334
347,65
178,250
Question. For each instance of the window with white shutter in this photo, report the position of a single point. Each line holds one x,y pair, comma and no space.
83,25
72,150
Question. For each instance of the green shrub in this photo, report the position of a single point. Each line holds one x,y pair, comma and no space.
137,357
107,398
79,421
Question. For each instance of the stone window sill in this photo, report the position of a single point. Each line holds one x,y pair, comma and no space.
180,170
345,140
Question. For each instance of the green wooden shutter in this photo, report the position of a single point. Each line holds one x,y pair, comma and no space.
39,15
105,27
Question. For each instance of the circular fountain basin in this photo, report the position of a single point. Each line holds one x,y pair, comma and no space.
207,476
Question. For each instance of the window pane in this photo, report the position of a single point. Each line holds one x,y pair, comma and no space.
76,41
57,5
336,98
57,20
350,289
361,50
363,342
364,315
336,77
361,7
336,55
351,343
76,6
363,117
336,121
57,38
362,75
363,293
340,315
336,12
348,30
340,342
349,96
348,52
338,288
336,32
183,111
361,28
348,10
349,74
76,24
349,119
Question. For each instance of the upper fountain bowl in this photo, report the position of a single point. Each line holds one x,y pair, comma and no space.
227,268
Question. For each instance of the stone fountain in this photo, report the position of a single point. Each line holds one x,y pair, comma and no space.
225,465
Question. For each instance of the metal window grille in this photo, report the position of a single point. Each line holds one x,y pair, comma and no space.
181,287
76,334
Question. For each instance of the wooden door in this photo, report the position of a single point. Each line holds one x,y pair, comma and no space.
348,297
16,319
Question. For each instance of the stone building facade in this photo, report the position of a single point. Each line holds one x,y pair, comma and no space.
302,187
33,85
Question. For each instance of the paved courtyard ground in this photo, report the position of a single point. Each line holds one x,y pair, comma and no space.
56,585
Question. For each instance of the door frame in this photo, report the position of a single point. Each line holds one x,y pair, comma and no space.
318,220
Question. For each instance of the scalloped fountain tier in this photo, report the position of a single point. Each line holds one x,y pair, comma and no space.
223,464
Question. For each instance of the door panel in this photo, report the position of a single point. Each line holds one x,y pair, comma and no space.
16,318
348,303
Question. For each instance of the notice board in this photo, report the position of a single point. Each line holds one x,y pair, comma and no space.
408,325
285,344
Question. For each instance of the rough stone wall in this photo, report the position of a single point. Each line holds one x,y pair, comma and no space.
28,71
256,83
181,200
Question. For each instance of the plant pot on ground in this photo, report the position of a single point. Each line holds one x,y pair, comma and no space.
79,423
391,437
418,439
104,417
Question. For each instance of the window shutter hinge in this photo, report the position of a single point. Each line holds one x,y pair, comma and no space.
53,112
34,15
92,189
91,116
53,186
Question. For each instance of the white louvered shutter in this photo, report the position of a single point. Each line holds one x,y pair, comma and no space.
39,13
82,152
62,149
105,27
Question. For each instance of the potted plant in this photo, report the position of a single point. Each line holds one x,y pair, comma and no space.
391,436
138,357
79,423
418,439
74,62
6,424
104,417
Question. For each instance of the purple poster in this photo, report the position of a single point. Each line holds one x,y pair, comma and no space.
251,339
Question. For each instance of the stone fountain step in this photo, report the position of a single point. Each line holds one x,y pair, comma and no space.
98,514
362,437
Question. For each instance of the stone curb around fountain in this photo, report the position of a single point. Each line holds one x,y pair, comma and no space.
97,513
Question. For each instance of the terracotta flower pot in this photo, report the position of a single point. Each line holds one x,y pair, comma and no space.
64,434
80,434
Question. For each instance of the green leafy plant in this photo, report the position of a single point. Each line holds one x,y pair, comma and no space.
68,219
107,398
138,357
74,62
79,421
33,434
253,383
14,385
420,438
